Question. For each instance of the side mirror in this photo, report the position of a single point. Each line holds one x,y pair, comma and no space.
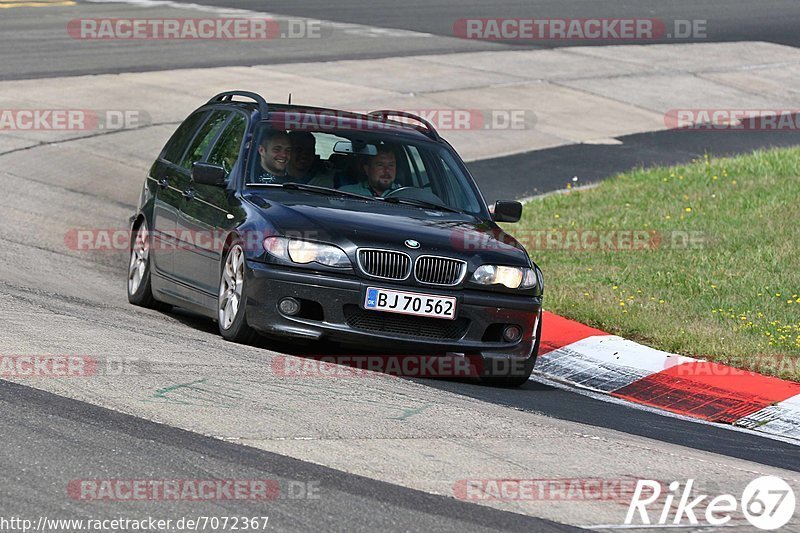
507,211
208,174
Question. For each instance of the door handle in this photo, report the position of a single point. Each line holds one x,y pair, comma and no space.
163,183
188,194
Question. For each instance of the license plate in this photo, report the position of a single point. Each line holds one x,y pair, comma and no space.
410,303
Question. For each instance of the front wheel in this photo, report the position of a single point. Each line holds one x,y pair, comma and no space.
232,298
139,290
516,376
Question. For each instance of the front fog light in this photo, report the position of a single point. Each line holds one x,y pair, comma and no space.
289,306
512,333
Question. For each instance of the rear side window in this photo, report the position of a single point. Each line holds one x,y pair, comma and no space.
204,138
182,136
226,151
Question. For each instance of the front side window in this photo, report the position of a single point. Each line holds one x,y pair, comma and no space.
450,184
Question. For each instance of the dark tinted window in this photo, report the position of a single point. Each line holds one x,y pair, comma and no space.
226,151
204,138
177,143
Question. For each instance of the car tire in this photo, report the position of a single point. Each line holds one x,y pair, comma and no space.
139,288
520,378
232,298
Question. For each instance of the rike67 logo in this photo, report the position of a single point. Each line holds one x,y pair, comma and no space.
767,503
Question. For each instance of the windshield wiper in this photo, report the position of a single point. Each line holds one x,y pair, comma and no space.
421,203
327,191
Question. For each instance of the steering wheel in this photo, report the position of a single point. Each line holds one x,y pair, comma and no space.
395,191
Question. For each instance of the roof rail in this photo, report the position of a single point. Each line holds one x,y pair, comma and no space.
429,130
227,96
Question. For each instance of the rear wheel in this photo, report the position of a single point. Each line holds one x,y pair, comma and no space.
139,288
232,301
505,376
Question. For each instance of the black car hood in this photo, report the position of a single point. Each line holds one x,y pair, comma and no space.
390,226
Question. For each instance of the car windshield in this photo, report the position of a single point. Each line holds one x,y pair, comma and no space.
377,165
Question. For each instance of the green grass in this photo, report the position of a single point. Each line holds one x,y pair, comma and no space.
734,297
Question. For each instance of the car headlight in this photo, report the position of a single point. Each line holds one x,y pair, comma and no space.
511,277
304,252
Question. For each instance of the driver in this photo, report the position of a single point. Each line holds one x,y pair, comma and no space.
381,171
275,152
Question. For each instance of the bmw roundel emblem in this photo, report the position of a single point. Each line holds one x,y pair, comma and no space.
411,243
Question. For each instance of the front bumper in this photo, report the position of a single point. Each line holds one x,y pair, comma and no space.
337,314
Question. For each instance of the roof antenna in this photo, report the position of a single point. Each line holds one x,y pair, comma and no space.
290,98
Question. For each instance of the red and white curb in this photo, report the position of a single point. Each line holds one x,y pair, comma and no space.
590,358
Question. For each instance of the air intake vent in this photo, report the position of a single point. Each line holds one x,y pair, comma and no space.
411,326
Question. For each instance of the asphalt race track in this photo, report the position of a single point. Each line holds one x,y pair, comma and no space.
52,426
365,453
735,20
34,46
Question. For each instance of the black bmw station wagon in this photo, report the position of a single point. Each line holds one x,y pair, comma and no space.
323,225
